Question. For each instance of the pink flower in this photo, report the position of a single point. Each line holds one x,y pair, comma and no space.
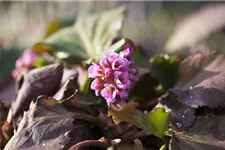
19,63
28,58
127,50
133,78
97,84
108,72
109,93
122,79
104,63
114,75
120,64
112,56
133,70
95,71
123,94
98,92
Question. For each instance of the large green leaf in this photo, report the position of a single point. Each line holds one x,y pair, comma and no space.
156,122
91,34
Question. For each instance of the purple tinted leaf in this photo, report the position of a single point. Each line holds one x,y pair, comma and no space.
40,81
201,80
183,116
199,67
207,132
48,125
68,86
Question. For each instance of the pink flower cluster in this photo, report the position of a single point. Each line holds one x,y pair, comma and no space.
114,75
26,60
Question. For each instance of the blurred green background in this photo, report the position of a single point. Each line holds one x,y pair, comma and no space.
172,27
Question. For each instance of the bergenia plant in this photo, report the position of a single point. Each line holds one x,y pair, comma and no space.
114,75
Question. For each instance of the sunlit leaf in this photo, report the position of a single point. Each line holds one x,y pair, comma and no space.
52,27
39,62
156,122
91,34
41,47
116,47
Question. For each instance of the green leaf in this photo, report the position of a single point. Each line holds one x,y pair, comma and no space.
114,48
90,35
156,121
118,45
164,69
39,62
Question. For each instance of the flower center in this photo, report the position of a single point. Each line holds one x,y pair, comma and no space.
117,64
101,72
121,79
109,89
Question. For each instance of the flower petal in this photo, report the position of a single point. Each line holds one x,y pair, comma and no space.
97,84
109,93
127,50
104,63
120,64
123,94
122,80
95,71
108,72
112,56
28,58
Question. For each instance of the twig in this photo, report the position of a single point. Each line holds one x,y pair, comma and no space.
88,143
